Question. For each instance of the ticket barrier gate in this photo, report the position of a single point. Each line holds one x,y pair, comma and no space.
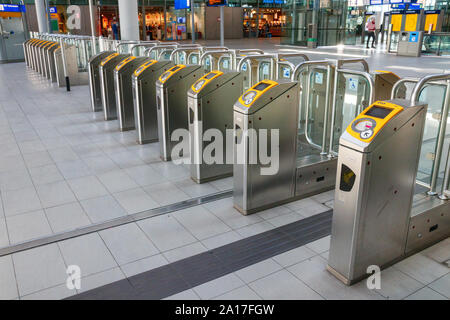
171,103
94,80
107,67
124,90
144,98
329,98
210,103
378,220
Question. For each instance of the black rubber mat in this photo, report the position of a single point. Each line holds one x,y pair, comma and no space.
184,274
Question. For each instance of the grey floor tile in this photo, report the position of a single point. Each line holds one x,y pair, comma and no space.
218,286
102,208
294,256
313,273
422,268
55,293
242,293
135,200
426,294
27,226
37,159
45,174
200,222
397,285
48,269
89,253
13,180
254,229
100,164
87,187
258,270
74,169
442,285
223,184
11,163
184,295
55,194
4,238
274,212
320,245
20,201
144,175
184,252
7,279
143,265
166,193
67,217
31,146
223,209
126,159
221,239
100,279
117,180
63,154
128,243
283,286
193,189
285,219
166,232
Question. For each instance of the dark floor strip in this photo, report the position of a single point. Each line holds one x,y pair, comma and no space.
181,275
114,223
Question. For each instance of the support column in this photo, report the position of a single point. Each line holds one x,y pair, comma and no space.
41,16
193,20
222,31
128,19
92,20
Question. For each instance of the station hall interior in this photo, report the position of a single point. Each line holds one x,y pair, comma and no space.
242,150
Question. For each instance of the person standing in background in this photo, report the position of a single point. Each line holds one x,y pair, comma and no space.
115,29
371,28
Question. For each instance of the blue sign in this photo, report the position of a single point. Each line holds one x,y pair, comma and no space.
413,37
274,1
182,4
376,2
12,8
53,10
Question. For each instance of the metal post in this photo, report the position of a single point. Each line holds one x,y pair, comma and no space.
63,56
325,116
440,142
41,17
222,31
49,18
257,23
192,21
165,19
294,21
144,22
91,15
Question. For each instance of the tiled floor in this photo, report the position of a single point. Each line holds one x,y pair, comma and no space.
62,167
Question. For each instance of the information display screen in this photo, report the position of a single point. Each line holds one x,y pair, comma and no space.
378,112
210,75
261,86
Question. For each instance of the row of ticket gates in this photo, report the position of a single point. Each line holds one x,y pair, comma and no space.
337,128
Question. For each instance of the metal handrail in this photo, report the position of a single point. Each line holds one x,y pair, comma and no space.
397,85
148,51
341,62
371,83
244,60
208,53
183,49
442,125
150,44
422,82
